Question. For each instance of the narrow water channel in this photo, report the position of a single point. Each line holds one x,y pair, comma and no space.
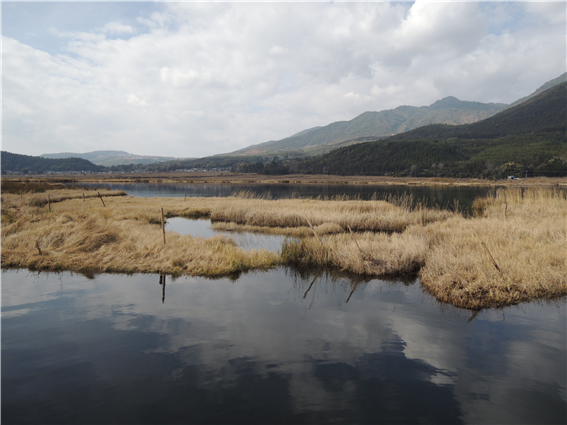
204,229
271,347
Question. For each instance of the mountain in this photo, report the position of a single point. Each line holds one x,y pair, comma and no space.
376,125
372,125
543,113
13,162
527,138
109,158
561,79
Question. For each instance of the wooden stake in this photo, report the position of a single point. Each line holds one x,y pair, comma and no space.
83,196
185,196
49,203
163,226
21,197
491,257
101,199
506,210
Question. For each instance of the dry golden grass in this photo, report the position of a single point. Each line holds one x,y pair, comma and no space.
328,216
98,240
524,231
57,195
375,254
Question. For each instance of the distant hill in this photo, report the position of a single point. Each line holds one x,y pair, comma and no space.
13,162
372,125
109,158
530,137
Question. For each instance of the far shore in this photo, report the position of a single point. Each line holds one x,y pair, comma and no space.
236,178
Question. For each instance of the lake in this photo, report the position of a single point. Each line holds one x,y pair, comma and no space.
271,347
441,195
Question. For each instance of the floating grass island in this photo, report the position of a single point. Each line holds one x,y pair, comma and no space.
512,249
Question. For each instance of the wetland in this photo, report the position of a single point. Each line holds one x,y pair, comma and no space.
282,308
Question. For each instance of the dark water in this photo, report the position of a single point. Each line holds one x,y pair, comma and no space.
271,347
204,229
441,195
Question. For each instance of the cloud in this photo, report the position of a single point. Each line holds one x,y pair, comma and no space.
135,100
117,28
212,78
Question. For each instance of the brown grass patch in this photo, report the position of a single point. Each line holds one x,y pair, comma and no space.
524,231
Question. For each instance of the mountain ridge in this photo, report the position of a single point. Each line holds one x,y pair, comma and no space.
529,138
108,158
372,124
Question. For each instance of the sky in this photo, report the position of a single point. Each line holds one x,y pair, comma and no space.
192,79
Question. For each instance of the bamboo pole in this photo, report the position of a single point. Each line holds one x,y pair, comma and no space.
101,199
491,257
163,226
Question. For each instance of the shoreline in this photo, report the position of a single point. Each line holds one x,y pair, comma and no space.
236,179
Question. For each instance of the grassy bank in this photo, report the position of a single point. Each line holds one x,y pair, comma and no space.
512,250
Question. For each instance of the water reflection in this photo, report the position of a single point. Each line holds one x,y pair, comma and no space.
162,284
245,240
280,346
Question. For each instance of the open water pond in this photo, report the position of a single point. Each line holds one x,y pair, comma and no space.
204,229
271,347
441,195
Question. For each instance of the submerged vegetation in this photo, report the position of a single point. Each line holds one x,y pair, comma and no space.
511,250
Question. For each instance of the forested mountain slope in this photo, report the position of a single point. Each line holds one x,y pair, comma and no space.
13,162
372,125
528,137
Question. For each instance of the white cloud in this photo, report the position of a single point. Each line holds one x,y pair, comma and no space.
213,78
135,100
117,28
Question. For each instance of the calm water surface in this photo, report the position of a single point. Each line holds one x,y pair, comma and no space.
441,195
271,347
204,229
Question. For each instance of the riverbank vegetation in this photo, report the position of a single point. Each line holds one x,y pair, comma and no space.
511,250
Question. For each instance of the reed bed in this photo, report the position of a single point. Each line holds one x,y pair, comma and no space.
372,216
96,241
512,250
35,199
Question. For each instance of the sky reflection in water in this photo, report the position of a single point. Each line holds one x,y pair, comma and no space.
204,229
270,347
